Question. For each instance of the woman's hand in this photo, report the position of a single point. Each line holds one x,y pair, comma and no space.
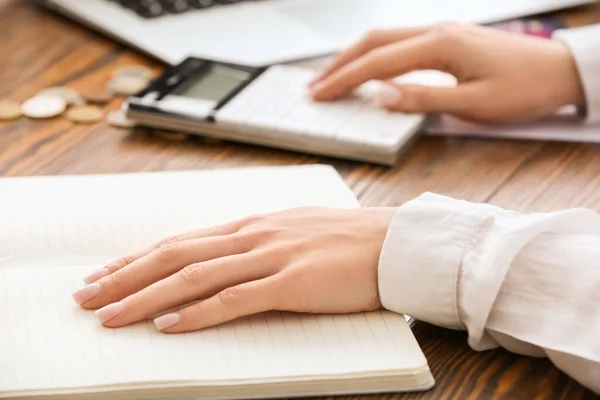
502,77
312,260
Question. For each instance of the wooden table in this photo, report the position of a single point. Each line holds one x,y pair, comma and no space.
39,50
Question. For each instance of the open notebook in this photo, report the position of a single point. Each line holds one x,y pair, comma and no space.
53,230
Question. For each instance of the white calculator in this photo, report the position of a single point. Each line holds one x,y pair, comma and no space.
272,107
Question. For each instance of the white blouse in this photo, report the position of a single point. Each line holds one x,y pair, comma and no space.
528,283
585,46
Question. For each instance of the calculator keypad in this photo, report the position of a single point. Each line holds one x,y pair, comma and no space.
278,104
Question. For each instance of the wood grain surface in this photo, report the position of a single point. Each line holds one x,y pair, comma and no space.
38,49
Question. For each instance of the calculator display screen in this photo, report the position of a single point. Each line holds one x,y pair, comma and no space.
216,84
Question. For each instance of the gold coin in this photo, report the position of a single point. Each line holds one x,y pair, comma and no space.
118,119
127,85
85,114
170,135
43,106
9,110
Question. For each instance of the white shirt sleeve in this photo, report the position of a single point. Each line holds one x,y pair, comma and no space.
528,283
584,43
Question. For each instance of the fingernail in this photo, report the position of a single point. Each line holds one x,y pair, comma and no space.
110,311
389,97
86,293
94,276
166,321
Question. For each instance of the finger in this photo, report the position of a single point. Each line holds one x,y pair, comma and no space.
126,260
421,52
369,42
196,281
157,265
429,99
231,303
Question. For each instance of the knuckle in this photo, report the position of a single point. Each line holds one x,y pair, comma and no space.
449,25
371,38
257,234
167,241
267,237
252,220
120,263
449,32
229,296
284,252
193,273
167,251
265,233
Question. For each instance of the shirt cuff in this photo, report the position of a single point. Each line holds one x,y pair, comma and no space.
584,44
420,260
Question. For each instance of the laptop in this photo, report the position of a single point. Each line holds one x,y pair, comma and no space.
264,32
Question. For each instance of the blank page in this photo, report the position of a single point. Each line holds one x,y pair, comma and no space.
49,342
106,216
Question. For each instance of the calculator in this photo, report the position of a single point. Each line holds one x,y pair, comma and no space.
271,106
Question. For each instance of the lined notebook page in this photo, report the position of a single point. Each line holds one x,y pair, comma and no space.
49,342
111,215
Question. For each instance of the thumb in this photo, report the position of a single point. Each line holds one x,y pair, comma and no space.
425,99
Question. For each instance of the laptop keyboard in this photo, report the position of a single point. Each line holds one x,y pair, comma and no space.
158,8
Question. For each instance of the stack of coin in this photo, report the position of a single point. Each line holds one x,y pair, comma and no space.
83,108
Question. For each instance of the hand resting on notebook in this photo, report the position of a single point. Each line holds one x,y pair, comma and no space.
444,261
502,77
314,260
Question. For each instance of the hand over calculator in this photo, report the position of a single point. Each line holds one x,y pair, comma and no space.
272,107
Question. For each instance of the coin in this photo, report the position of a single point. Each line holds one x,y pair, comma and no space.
43,106
127,85
119,119
9,110
71,96
170,135
85,114
138,71
97,96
